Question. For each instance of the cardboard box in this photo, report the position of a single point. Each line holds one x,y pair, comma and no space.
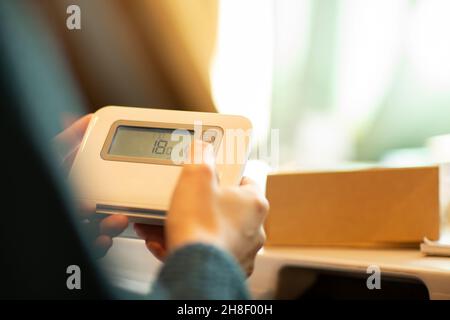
375,207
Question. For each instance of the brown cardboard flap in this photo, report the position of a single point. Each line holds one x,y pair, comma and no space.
364,207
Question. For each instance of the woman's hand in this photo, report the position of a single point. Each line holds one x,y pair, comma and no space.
201,211
104,229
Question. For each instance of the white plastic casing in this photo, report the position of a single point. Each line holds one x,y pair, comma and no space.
145,186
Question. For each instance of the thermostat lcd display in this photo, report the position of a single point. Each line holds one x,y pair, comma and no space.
145,142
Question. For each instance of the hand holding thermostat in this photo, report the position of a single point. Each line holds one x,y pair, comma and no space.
201,211
129,164
130,159
104,229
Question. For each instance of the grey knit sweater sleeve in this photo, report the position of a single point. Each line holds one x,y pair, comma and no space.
199,271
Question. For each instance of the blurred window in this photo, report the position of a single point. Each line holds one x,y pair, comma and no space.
349,79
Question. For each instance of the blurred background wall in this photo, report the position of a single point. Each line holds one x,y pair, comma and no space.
139,53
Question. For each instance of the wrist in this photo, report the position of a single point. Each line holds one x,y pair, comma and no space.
182,239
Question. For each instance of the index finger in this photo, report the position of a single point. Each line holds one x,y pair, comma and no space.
251,186
201,152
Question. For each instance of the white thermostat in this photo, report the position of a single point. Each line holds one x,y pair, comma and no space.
128,161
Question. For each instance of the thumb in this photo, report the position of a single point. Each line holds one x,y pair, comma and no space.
201,152
200,166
